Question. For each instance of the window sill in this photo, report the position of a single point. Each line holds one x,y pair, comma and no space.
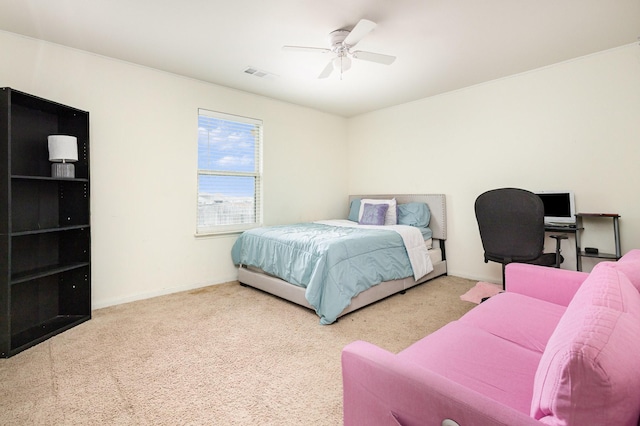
225,233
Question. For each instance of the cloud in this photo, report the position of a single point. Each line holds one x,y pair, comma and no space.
230,160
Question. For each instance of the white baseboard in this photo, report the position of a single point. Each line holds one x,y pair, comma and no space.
155,293
474,277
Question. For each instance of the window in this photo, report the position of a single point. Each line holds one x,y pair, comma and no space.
229,173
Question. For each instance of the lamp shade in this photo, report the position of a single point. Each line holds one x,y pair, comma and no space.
63,148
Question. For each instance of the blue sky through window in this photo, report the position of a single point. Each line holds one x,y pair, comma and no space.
226,146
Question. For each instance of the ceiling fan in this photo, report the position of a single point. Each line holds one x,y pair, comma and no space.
341,42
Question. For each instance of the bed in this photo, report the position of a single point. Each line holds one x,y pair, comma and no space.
251,272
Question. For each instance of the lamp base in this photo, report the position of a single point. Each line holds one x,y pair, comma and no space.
63,170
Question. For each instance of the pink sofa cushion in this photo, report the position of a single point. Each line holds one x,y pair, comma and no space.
478,360
522,320
588,372
629,264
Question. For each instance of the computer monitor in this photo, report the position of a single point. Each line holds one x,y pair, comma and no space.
559,207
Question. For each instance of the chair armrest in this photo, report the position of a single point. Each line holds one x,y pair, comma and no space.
382,389
542,282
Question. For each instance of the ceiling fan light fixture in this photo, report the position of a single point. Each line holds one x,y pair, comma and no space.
341,63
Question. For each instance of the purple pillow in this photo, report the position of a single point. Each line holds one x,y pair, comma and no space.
373,214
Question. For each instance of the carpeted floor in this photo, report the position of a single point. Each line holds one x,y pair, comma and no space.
223,354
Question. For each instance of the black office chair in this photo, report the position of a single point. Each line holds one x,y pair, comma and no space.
511,223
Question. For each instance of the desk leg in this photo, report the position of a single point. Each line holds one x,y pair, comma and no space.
578,257
616,235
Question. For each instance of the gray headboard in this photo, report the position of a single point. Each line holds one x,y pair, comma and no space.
437,204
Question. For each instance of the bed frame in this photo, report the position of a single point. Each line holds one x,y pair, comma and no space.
296,294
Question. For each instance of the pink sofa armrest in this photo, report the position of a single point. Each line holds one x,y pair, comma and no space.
382,389
542,282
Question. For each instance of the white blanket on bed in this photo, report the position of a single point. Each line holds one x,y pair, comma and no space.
413,242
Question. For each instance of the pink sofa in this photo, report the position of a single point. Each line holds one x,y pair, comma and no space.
558,347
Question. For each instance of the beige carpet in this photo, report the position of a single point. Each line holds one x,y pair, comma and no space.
224,355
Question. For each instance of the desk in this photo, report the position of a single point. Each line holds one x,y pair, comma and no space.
616,237
571,229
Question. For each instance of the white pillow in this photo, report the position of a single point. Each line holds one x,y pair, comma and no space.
391,218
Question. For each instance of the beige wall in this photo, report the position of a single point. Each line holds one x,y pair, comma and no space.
143,164
571,126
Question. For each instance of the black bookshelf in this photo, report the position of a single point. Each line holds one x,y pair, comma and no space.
45,234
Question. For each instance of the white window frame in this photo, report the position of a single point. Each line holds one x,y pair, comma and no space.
203,228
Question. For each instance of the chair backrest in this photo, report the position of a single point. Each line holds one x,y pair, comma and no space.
511,223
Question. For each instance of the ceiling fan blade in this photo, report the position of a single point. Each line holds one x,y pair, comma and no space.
306,49
358,32
373,57
326,72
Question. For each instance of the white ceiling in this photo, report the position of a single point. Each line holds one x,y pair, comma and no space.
440,45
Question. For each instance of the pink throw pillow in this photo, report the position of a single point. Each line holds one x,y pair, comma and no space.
589,371
629,264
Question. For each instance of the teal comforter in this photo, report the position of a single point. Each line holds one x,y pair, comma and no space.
333,263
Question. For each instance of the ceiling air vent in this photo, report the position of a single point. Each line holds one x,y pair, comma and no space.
258,73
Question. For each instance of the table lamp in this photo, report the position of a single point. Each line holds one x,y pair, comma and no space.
63,150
